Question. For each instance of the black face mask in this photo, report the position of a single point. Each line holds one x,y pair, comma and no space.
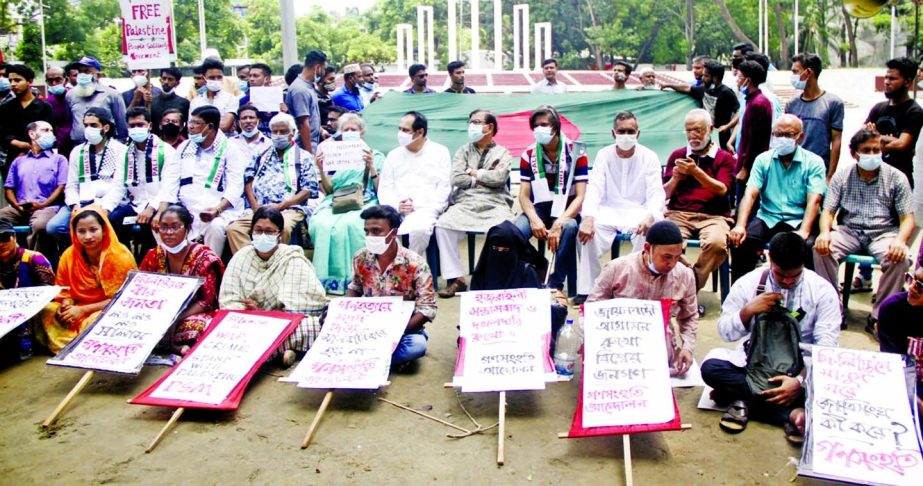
170,130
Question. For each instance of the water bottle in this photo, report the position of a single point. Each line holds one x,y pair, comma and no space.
565,350
25,342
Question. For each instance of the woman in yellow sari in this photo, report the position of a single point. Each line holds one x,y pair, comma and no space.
91,271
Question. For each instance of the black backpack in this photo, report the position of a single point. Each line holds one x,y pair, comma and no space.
773,346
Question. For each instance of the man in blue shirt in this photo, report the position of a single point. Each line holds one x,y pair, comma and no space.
349,96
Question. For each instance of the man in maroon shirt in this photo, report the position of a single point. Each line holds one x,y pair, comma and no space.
757,121
697,180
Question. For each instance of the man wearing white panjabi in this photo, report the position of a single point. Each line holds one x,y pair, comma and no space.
624,194
206,176
415,180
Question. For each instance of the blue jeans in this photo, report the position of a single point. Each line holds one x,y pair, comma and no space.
566,256
411,346
58,226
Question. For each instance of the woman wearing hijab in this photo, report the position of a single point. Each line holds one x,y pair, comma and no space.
91,271
507,261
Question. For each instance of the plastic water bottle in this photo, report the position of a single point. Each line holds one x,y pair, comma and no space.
25,342
565,349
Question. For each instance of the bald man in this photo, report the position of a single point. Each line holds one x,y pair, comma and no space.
790,183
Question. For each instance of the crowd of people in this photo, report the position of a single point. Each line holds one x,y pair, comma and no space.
209,185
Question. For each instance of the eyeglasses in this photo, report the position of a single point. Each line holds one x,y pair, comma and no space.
265,232
171,229
786,134
915,284
7,237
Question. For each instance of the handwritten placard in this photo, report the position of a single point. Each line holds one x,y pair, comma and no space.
131,325
222,359
354,347
503,340
341,155
626,377
148,33
19,305
862,427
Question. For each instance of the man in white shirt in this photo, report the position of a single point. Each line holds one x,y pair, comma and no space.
625,194
250,136
550,84
215,95
416,180
206,176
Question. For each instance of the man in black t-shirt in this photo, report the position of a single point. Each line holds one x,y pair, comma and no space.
720,100
898,119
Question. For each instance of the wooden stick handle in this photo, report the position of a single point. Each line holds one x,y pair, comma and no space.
67,400
626,452
443,422
163,431
502,430
317,417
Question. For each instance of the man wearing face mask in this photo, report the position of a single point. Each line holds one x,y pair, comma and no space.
61,119
143,93
325,88
480,174
369,86
215,95
820,110
654,274
250,137
283,177
89,93
873,206
415,180
348,96
301,100
789,182
168,99
198,82
757,123
137,180
206,176
172,127
34,186
384,269
19,112
621,70
243,82
624,195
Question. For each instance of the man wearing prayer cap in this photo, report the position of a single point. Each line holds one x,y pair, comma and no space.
349,96
653,274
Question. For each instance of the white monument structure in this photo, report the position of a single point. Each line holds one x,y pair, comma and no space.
404,46
542,52
521,37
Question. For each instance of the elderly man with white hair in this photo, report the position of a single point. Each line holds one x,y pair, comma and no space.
648,79
696,181
790,183
283,177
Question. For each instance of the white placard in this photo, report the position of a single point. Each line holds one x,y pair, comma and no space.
266,98
222,359
504,346
862,427
19,305
126,332
148,33
692,378
540,191
340,155
626,376
354,347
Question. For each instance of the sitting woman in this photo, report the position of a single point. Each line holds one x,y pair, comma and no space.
177,255
267,275
338,233
91,271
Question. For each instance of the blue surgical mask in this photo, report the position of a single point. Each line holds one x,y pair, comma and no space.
243,86
84,79
281,142
249,133
265,243
351,136
4,84
743,91
797,82
869,162
782,145
57,90
138,134
542,135
201,90
197,138
93,135
651,267
711,87
368,86
475,133
46,141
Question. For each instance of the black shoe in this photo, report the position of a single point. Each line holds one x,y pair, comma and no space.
870,326
843,324
580,299
701,310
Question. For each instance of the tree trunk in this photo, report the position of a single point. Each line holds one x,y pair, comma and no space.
851,36
655,31
690,32
726,15
784,56
597,51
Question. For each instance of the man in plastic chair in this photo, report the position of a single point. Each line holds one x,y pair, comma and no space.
873,204
798,290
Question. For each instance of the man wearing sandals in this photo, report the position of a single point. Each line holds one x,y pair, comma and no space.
795,288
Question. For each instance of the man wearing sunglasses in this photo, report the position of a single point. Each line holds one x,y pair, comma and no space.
900,325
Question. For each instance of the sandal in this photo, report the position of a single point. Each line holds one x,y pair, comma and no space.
559,296
734,420
793,432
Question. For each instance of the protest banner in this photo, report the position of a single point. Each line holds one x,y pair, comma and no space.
625,386
148,33
214,374
126,331
342,155
353,350
861,420
21,304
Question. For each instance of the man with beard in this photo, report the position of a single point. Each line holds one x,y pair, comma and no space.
167,99
89,93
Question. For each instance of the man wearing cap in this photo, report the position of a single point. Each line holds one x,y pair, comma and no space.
349,96
34,184
89,93
653,274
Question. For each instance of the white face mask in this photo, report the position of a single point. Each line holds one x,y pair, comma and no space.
93,135
782,145
475,133
377,245
139,80
351,136
869,162
404,139
651,267
84,79
542,135
213,85
265,243
249,133
173,250
138,134
626,142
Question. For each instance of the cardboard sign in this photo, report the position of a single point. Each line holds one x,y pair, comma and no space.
504,341
354,347
19,305
340,155
862,427
215,373
148,33
124,335
626,377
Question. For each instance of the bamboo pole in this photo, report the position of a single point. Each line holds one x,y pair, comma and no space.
67,400
317,417
163,431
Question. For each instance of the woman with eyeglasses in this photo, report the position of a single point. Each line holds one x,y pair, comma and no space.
900,325
179,256
268,275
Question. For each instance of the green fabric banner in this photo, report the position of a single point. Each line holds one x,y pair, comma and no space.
660,116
